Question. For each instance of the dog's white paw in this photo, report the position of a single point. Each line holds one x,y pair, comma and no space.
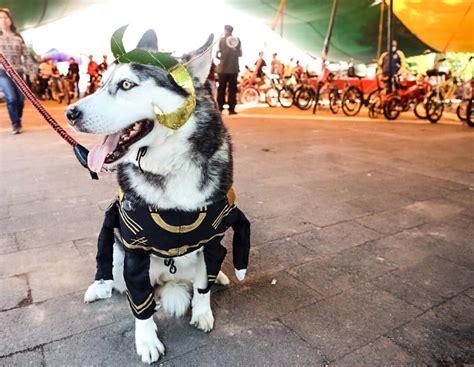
149,347
222,279
100,289
203,320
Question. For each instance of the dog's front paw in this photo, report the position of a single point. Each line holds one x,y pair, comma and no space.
149,347
100,289
203,321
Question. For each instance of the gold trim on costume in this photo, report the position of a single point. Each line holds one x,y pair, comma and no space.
125,219
132,221
174,251
140,308
227,210
178,229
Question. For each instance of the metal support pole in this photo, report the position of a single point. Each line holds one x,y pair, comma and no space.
389,45
329,34
379,43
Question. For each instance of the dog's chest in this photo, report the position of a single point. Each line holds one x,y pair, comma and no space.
171,233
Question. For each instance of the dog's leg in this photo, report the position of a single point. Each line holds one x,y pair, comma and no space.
140,294
102,289
222,279
117,270
202,316
149,347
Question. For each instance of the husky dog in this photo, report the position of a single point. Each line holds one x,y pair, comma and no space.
183,169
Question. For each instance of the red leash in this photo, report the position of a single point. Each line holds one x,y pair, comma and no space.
80,151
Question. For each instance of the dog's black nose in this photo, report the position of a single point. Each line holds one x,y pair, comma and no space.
73,113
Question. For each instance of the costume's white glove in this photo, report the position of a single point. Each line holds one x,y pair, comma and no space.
240,274
100,289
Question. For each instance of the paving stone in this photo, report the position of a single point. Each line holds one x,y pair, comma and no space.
427,283
17,290
235,312
462,197
392,221
442,336
470,292
280,293
262,204
459,229
435,209
30,260
50,235
346,322
335,238
331,214
270,229
275,257
62,277
114,344
52,219
87,247
55,319
382,352
270,345
44,205
382,202
422,192
406,248
4,212
8,243
344,270
29,358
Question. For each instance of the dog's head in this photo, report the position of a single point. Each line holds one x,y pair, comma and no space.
140,101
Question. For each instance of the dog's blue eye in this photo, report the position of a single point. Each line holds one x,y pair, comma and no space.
127,84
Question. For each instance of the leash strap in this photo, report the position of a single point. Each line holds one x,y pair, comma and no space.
79,150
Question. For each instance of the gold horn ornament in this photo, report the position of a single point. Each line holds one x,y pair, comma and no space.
173,120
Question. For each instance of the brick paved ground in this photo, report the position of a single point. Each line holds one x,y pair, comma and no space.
366,226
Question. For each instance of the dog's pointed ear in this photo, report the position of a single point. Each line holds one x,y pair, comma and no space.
198,62
149,41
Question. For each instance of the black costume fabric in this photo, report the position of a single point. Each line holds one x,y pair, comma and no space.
168,234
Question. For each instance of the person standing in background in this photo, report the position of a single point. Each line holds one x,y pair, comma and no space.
288,70
276,67
92,69
73,75
45,73
103,65
259,65
229,51
13,47
398,62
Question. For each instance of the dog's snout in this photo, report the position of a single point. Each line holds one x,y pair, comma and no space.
73,114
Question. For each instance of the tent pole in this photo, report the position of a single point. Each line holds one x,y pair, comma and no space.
281,17
279,14
389,45
329,34
379,44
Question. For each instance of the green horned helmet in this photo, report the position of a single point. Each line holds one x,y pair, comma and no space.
165,61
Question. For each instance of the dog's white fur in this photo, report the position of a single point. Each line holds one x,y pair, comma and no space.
167,153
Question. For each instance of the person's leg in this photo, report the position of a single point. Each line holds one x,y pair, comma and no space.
232,92
221,91
20,103
11,97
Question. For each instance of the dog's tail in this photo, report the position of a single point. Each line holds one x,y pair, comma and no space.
175,297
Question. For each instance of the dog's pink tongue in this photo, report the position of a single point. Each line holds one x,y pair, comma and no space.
97,155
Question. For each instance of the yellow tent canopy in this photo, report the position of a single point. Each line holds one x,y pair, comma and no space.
444,25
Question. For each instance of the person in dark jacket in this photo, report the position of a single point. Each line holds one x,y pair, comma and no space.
230,49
